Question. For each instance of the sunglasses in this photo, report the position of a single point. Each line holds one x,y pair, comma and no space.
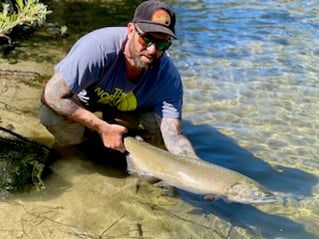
147,40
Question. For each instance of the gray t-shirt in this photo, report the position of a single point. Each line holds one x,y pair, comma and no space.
94,69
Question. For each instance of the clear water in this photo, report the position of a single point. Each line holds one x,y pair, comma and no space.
250,72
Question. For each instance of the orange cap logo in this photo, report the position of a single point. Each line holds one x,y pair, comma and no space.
162,17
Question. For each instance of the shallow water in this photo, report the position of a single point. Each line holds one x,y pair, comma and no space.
250,72
251,79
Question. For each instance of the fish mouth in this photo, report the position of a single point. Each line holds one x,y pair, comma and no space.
267,198
250,194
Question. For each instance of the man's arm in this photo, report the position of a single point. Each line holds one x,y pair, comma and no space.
173,137
59,97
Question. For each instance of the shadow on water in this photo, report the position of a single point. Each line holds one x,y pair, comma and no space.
90,157
250,218
217,148
95,158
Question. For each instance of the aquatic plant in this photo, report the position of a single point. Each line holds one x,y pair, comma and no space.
22,162
29,12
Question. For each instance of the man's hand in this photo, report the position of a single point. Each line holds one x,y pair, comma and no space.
112,136
59,97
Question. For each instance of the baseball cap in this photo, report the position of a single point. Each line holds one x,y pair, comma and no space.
155,16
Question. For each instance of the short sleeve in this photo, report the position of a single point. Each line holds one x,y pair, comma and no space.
82,65
170,105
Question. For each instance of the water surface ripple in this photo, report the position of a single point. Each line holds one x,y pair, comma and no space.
250,71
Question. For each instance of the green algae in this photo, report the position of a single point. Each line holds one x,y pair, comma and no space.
22,162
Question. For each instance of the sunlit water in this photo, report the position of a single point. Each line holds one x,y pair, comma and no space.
250,72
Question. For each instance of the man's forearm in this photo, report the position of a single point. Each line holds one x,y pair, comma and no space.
71,110
58,96
179,145
173,137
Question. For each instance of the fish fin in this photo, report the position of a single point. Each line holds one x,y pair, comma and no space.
148,178
168,190
132,168
211,197
145,179
139,138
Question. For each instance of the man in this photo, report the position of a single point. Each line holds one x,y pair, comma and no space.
125,73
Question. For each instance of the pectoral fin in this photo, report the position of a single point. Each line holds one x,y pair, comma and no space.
168,190
211,197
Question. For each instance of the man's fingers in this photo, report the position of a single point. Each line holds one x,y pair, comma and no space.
118,145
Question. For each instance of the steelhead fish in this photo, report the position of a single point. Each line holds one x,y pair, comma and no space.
193,174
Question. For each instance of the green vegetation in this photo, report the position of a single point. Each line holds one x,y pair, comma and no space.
29,12
22,162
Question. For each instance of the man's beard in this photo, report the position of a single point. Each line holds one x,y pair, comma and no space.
137,58
142,65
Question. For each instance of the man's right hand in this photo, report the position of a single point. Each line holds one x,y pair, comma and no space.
59,97
112,136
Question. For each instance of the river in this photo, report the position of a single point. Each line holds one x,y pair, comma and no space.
250,74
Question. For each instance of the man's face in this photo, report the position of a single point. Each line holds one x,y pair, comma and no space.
145,49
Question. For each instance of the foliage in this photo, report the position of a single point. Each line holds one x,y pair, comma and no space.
29,12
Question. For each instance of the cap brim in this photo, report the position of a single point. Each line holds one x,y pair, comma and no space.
153,27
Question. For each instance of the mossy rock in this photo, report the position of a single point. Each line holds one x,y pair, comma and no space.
22,162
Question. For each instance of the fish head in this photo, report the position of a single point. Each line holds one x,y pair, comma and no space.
249,193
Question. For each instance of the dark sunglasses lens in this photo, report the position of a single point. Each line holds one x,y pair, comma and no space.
147,41
163,45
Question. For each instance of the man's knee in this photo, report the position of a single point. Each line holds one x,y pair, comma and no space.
65,132
66,135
